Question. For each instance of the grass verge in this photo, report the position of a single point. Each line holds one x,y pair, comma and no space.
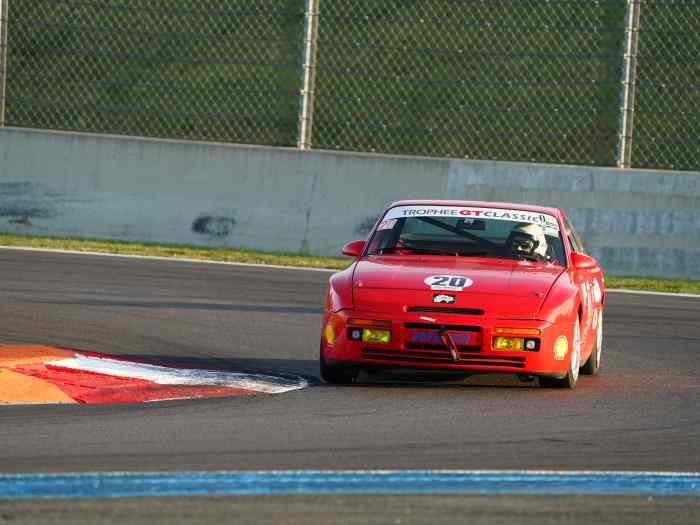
174,250
651,284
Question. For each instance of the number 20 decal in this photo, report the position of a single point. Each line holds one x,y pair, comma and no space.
448,282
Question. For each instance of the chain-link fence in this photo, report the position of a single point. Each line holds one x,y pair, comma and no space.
667,110
510,80
197,69
532,80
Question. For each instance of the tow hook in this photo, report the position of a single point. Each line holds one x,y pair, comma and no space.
450,344
526,378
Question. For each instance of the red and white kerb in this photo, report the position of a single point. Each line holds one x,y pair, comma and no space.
45,374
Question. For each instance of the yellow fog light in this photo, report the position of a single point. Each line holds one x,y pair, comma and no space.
370,335
508,343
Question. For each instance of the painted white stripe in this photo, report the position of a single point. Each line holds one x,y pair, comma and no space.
170,259
662,294
495,472
275,266
181,376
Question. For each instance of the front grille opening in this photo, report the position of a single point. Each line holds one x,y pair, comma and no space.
438,357
445,310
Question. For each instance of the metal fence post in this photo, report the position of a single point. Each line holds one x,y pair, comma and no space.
624,150
306,114
4,16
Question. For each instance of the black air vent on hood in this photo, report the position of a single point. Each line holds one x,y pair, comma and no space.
445,310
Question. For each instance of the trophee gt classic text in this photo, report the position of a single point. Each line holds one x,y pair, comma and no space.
475,287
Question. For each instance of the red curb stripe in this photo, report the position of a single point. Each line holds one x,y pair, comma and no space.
90,387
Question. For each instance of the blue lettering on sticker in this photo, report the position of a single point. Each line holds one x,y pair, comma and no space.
434,338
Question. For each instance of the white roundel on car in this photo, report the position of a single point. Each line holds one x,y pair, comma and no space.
453,283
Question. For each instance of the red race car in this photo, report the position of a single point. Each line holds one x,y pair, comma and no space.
476,287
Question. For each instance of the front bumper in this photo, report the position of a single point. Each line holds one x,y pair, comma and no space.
416,342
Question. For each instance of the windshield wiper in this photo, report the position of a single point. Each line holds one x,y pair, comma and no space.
476,254
428,251
456,253
528,257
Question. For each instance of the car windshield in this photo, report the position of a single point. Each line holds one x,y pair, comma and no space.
468,232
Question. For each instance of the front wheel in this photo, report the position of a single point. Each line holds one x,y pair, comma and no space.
336,375
569,381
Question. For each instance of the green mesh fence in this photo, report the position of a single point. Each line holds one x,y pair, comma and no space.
197,69
667,110
528,80
486,79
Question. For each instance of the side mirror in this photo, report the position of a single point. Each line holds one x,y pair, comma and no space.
354,248
582,261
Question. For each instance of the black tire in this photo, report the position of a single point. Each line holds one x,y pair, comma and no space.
554,382
569,381
592,366
336,375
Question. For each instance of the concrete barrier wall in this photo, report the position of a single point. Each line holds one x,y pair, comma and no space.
58,184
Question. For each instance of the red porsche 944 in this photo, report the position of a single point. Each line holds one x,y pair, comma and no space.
476,287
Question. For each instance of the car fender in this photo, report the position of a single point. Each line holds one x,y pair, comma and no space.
562,302
339,295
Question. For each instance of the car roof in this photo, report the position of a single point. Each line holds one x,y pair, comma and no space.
480,204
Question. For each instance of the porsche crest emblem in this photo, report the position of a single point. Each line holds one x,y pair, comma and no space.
443,298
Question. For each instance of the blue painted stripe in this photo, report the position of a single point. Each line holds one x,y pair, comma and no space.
126,484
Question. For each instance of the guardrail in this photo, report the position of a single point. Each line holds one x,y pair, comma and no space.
635,222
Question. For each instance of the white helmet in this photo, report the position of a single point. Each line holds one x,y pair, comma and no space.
536,232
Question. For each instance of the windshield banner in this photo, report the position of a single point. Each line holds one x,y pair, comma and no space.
459,212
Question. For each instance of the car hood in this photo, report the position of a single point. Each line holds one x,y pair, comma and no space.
502,288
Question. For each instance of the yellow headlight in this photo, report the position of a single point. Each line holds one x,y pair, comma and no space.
370,335
508,343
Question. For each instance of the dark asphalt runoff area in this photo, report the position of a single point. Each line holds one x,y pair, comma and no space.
641,414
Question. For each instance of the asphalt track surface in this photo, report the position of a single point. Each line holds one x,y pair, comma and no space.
640,414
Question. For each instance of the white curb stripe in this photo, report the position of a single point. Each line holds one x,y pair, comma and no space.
162,375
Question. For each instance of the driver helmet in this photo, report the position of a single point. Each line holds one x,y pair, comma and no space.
537,233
